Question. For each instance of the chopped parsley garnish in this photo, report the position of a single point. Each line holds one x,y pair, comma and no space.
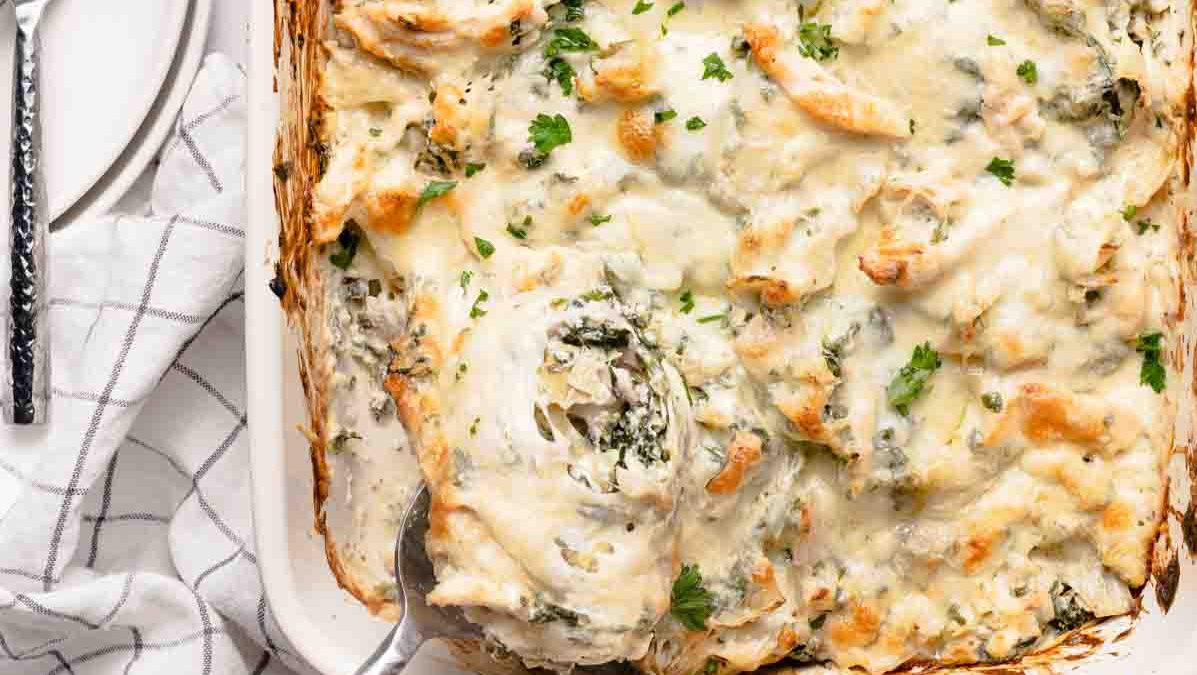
641,7
573,10
374,287
474,426
912,126
815,41
348,240
597,219
436,188
695,123
462,369
485,248
908,384
711,666
546,133
466,275
687,302
994,41
1028,72
992,400
558,70
817,622
375,132
1152,373
569,40
1003,169
712,318
520,232
689,602
677,7
476,310
664,115
597,295
1128,212
472,169
715,68
1144,225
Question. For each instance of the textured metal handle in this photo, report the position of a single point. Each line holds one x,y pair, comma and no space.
27,397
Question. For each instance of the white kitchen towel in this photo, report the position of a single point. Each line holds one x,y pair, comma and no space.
126,542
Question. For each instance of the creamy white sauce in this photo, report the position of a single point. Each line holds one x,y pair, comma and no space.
783,258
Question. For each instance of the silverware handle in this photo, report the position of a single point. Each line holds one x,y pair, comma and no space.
395,652
28,355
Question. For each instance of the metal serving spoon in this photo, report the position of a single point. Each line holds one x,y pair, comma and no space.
414,579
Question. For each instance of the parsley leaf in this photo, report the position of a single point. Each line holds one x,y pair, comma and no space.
473,169
677,7
573,10
485,248
1028,72
1145,225
348,240
569,40
519,232
908,384
687,302
664,115
695,123
434,189
597,219
558,70
689,602
1152,373
816,42
476,311
547,132
993,41
1003,169
1128,213
714,67
466,275
375,132
642,7
992,400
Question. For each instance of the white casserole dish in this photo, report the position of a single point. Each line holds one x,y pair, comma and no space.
335,633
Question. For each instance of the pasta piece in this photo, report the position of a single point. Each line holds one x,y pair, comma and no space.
819,94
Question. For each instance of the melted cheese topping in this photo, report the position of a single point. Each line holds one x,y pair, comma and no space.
726,332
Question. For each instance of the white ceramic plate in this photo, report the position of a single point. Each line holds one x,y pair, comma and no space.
147,142
102,66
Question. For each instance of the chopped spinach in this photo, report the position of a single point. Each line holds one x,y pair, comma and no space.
1070,610
348,241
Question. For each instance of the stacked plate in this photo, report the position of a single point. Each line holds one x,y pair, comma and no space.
114,75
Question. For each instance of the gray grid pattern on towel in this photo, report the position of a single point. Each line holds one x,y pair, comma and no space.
126,542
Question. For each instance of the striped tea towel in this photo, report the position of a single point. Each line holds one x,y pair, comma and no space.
126,543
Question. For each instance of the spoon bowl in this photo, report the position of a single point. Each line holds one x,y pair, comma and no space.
414,580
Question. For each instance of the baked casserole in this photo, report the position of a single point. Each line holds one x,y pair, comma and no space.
735,332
